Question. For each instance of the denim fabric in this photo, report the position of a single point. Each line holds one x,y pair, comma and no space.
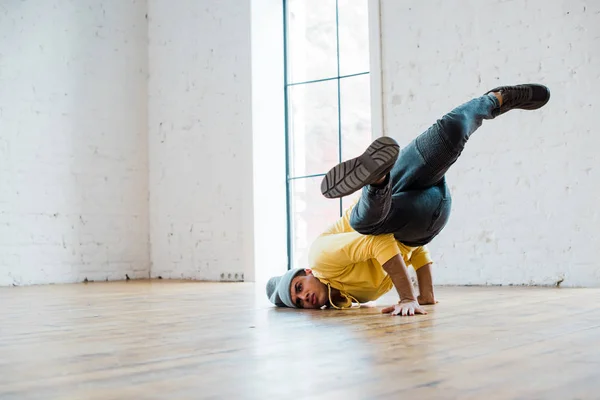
414,203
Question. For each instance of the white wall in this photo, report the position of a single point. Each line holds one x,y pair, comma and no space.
200,139
526,188
73,141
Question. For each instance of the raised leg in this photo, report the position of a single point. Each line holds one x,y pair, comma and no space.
423,163
426,159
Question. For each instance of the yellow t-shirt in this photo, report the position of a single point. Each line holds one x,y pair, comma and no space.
352,263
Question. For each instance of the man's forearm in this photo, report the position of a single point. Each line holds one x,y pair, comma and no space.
398,272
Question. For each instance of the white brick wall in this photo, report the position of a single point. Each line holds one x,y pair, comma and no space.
73,141
526,188
200,139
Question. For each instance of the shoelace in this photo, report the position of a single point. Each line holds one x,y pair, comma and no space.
518,95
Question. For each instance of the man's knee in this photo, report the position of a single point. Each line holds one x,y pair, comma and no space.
455,129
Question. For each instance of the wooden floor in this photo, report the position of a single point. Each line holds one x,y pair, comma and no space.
173,340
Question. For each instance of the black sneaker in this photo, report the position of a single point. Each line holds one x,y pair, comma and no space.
524,97
350,176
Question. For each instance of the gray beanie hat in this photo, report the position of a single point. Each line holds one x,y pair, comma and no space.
278,288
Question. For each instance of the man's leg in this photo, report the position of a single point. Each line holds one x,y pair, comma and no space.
426,159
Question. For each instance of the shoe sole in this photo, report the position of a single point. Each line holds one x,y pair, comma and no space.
351,175
533,105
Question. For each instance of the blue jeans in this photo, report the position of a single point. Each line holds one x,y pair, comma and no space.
414,203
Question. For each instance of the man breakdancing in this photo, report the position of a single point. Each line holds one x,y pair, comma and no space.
404,204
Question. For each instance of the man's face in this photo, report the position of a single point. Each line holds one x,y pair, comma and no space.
307,291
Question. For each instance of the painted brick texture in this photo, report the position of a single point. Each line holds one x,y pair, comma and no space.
73,141
82,163
526,188
200,139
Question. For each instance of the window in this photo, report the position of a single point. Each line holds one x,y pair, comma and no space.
328,115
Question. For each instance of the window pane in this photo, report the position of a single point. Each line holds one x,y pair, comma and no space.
355,100
311,215
311,35
313,128
354,36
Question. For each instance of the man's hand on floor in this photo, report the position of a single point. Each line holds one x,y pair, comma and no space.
405,308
